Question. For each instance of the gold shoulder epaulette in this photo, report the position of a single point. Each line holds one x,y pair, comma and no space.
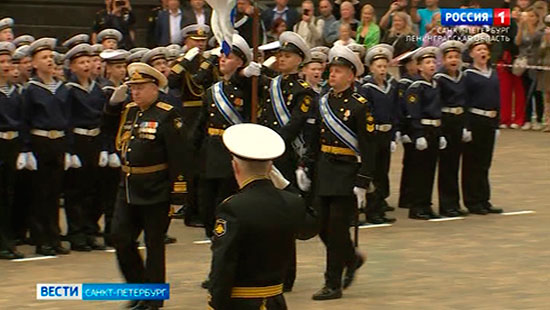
164,106
359,98
304,83
227,199
130,105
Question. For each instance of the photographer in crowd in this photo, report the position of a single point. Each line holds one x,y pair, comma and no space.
117,15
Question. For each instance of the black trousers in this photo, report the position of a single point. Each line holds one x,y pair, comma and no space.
405,185
423,172
375,202
9,151
47,185
110,178
271,303
82,198
211,193
449,162
337,213
128,223
476,162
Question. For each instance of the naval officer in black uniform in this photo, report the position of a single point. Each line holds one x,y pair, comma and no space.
342,153
255,228
483,108
151,139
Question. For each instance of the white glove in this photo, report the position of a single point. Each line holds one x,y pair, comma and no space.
103,159
406,139
21,161
361,195
497,134
216,51
277,178
442,143
32,164
119,95
253,69
192,53
398,136
114,161
393,146
67,161
269,62
466,135
75,162
421,144
304,183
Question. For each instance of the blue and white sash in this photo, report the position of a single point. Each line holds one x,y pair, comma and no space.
283,114
337,127
225,107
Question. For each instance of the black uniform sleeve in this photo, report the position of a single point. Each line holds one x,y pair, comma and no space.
396,109
173,132
198,132
225,257
299,114
365,125
414,107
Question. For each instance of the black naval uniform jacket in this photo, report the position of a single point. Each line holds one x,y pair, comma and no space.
423,104
10,109
383,100
483,92
404,116
337,174
253,236
152,140
208,130
453,89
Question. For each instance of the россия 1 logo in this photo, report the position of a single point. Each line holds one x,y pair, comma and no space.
475,17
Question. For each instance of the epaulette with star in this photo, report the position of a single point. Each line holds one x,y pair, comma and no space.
303,83
359,98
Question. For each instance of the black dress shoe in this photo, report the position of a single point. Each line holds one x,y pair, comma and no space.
94,245
419,216
462,212
6,254
59,249
169,239
450,213
193,222
489,207
375,220
350,271
80,247
17,254
327,293
45,250
478,210
389,220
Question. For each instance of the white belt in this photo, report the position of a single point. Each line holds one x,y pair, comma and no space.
430,122
9,135
384,127
87,132
50,134
455,111
490,114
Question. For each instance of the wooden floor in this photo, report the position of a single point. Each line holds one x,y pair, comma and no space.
480,262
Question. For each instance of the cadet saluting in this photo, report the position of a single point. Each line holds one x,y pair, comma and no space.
255,229
151,141
342,149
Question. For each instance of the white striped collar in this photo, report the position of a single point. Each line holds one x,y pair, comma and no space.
52,89
369,82
486,74
405,80
450,78
7,90
417,83
90,87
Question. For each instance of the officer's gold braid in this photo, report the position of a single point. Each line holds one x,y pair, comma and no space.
118,139
190,83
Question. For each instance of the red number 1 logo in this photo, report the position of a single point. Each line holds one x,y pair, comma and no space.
501,17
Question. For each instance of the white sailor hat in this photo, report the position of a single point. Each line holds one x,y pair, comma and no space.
242,49
379,51
406,57
480,38
426,52
174,46
97,49
136,56
154,54
358,48
547,20
114,56
195,32
317,56
58,58
109,34
275,45
23,40
253,142
140,73
294,43
341,55
451,46
20,53
172,53
82,49
6,23
323,49
75,40
6,48
42,44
